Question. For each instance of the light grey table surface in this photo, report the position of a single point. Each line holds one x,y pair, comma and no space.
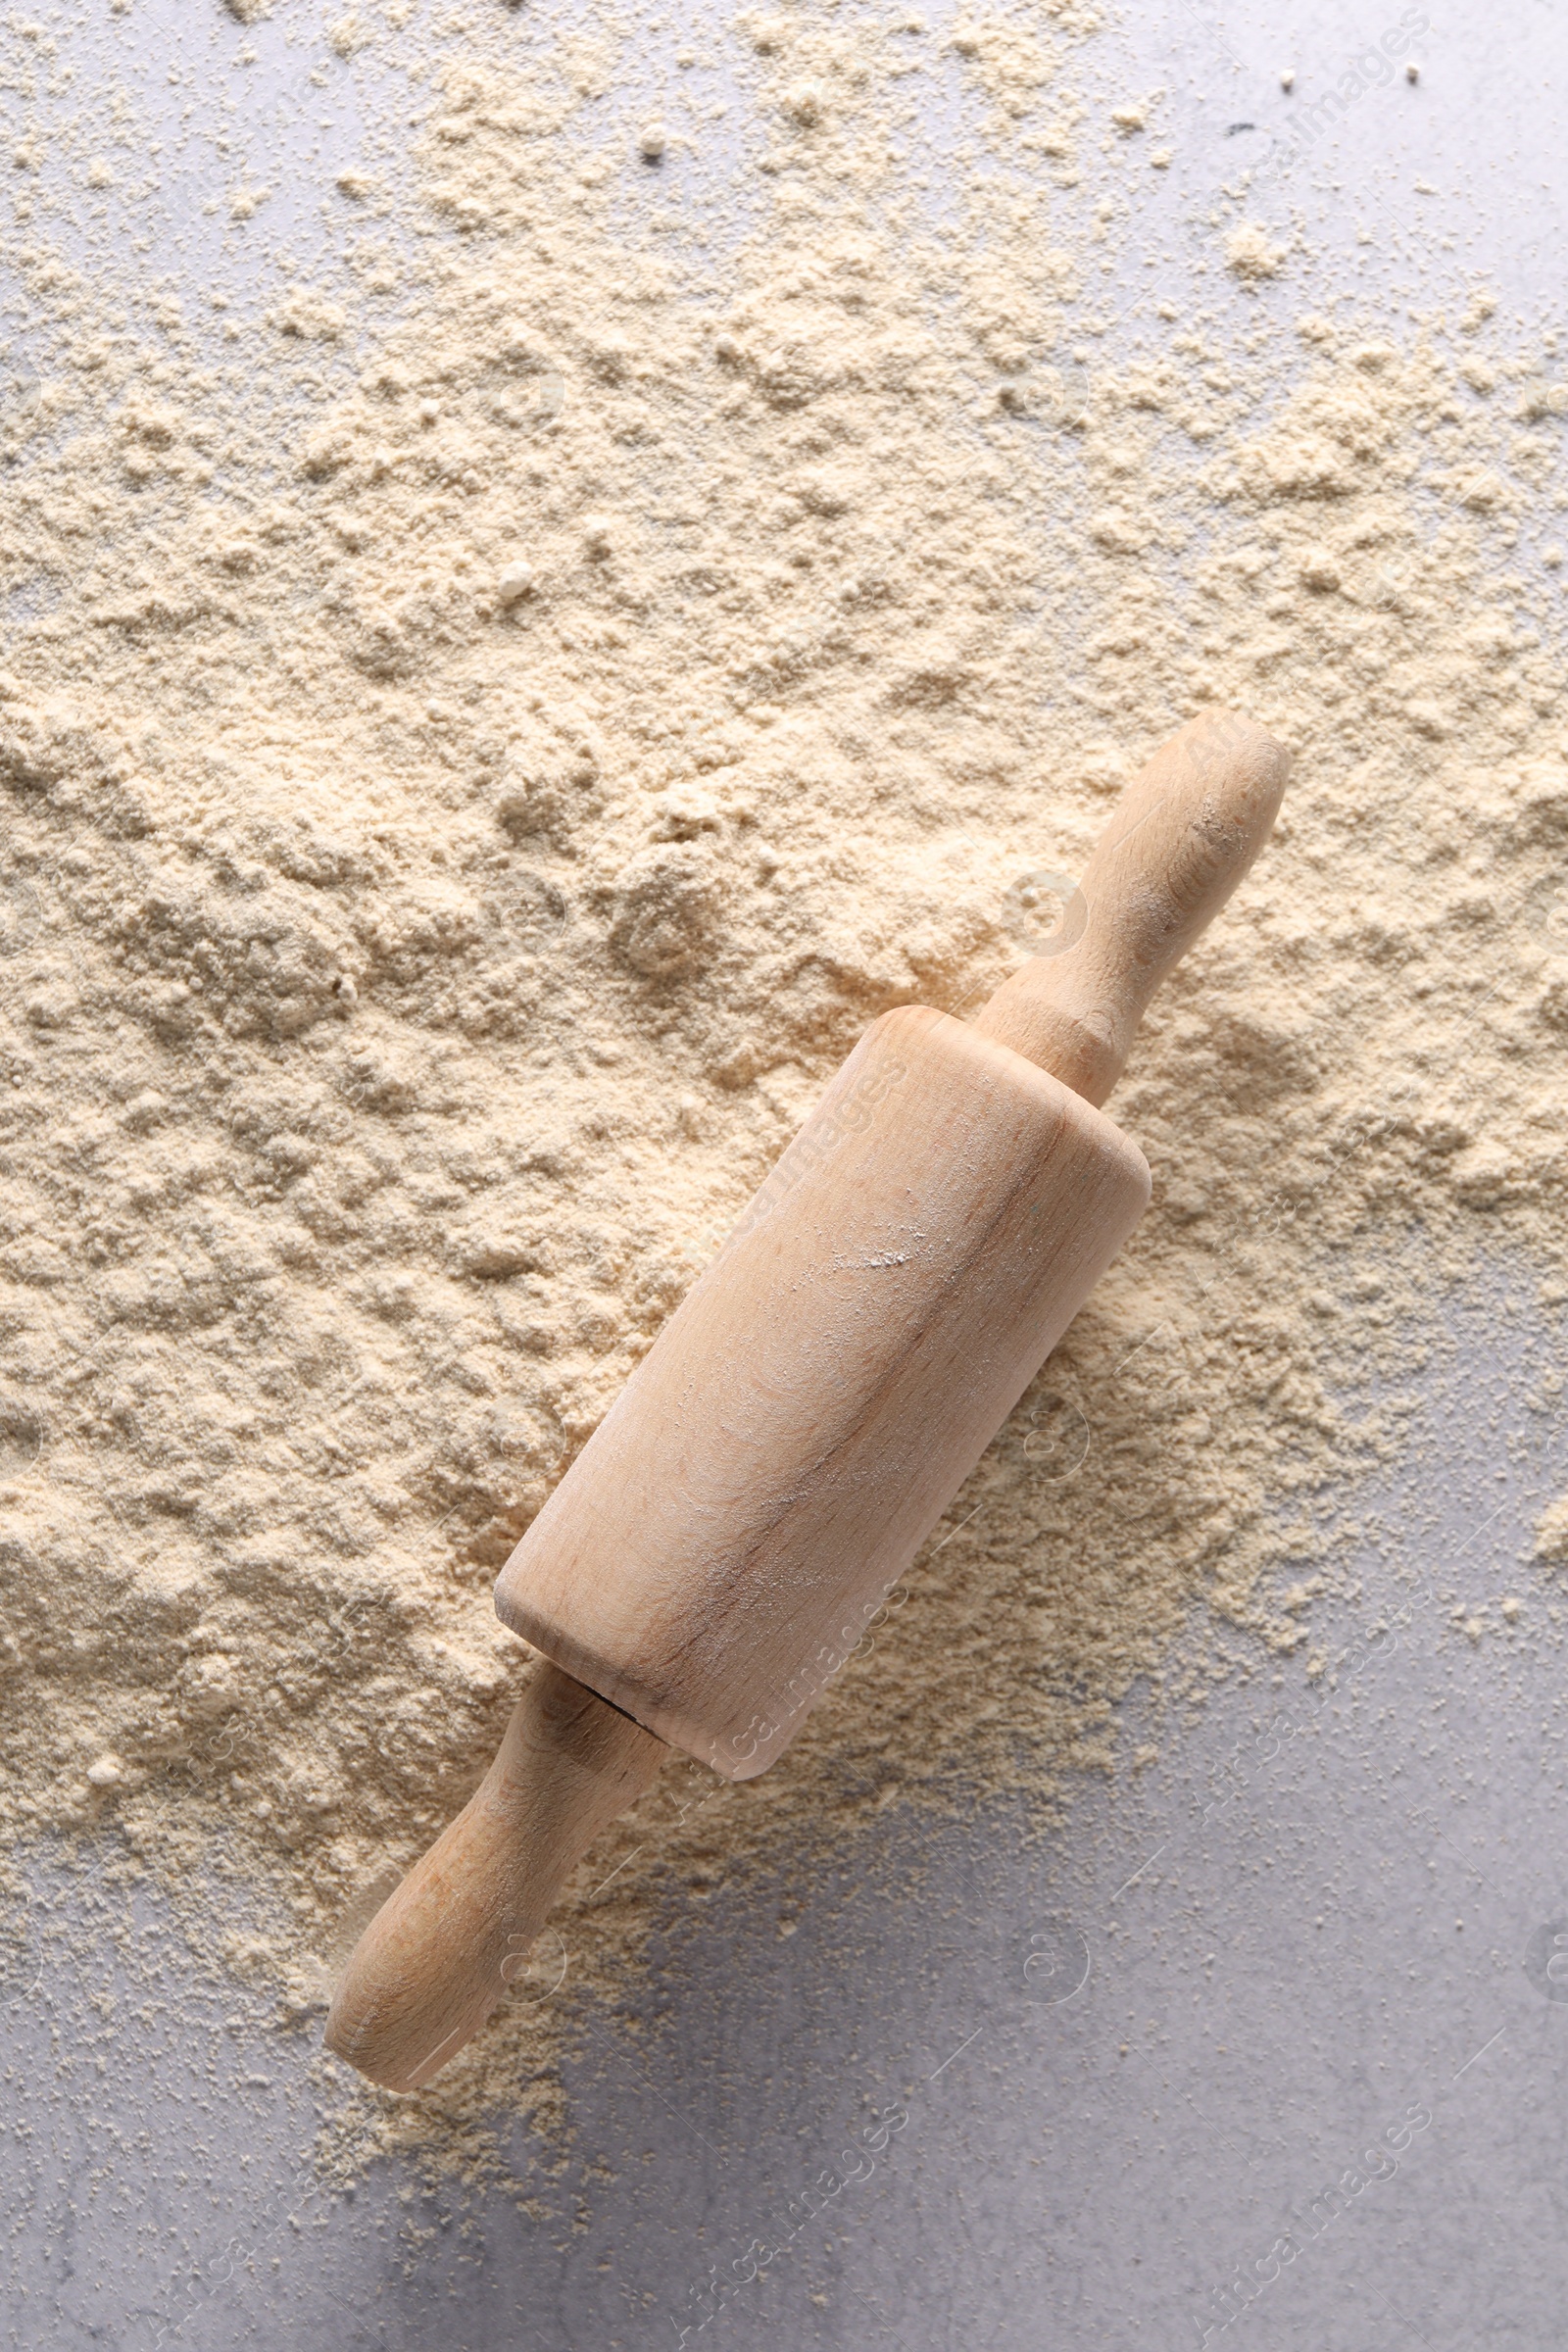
1132,2058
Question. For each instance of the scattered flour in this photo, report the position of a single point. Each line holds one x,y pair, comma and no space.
1250,253
448,845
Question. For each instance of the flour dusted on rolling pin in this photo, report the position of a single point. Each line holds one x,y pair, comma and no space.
813,1405
368,911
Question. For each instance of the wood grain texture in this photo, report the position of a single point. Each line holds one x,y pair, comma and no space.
811,1409
806,1415
446,1944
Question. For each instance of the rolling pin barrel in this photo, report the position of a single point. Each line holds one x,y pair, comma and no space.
807,1413
817,1399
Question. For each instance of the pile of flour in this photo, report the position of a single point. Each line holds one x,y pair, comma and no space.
450,837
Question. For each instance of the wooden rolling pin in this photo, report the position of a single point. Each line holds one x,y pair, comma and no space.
811,1409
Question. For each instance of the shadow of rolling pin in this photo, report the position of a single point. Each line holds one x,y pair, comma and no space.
816,1402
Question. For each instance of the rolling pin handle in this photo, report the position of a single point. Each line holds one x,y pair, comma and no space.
1182,836
445,1946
